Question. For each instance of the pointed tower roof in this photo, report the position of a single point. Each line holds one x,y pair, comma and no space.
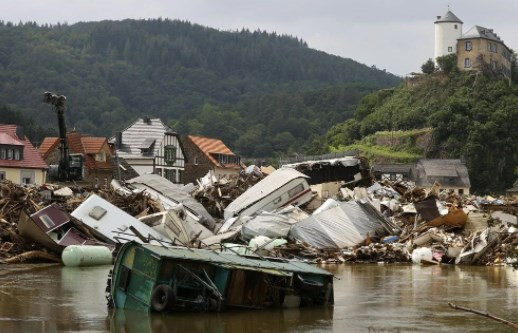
448,17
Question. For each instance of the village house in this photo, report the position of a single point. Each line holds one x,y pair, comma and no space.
19,160
97,155
452,174
394,172
476,48
208,154
150,146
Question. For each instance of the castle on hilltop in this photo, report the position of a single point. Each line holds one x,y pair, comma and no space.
477,47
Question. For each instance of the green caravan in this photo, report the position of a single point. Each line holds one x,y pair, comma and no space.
165,279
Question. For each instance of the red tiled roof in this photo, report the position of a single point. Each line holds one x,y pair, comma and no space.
6,139
93,145
47,146
31,157
210,146
80,144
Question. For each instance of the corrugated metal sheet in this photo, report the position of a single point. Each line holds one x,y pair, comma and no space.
233,260
173,192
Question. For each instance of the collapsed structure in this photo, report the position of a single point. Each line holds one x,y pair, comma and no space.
274,215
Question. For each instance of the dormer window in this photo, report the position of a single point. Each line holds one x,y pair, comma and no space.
11,153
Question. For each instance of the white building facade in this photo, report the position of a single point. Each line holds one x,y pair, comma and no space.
448,28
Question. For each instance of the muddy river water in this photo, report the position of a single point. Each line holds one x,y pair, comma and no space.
368,298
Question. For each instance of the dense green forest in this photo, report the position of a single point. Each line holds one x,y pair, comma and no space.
473,115
261,92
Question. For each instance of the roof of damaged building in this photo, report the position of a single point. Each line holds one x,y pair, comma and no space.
211,146
392,168
79,144
173,192
143,138
448,172
346,168
30,157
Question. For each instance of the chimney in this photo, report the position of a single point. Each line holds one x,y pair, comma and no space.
19,133
118,140
147,120
438,17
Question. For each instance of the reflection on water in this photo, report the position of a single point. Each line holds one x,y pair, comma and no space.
368,298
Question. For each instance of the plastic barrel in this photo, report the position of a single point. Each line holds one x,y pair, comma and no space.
86,255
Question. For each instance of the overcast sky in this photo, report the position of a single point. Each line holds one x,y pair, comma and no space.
396,35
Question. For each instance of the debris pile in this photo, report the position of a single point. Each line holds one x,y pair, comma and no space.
17,201
216,193
266,215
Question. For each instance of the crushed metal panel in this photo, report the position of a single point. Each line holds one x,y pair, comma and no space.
427,208
115,224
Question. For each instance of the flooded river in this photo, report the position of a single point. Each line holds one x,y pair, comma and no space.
368,298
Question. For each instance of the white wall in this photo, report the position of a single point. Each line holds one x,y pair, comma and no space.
446,36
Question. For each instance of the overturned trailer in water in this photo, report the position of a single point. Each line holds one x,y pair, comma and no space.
164,279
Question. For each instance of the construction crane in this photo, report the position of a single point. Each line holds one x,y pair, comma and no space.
70,166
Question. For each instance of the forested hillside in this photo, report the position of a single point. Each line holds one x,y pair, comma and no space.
261,92
473,116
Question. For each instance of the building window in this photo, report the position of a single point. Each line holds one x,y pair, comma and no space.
467,63
196,160
456,27
170,155
450,49
468,46
10,154
2,175
461,191
3,154
27,177
17,155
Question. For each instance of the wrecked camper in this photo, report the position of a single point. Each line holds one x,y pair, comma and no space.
284,186
53,228
160,279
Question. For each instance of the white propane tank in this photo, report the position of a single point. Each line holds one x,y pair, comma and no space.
86,255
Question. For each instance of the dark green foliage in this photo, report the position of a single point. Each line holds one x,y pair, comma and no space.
203,80
33,131
428,67
473,116
447,63
514,68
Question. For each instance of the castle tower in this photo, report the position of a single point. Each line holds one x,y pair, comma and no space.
448,28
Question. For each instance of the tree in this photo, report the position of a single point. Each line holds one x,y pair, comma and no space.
514,68
428,67
447,63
